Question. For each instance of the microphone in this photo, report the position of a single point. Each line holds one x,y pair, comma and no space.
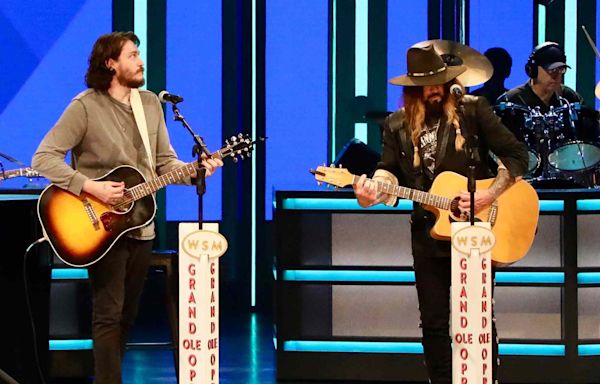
166,97
457,91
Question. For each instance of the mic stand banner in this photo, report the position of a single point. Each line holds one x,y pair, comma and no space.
471,303
199,252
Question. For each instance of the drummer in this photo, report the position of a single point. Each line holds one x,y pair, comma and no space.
545,67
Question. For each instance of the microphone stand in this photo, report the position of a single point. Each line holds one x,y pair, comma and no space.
11,159
198,150
473,149
473,153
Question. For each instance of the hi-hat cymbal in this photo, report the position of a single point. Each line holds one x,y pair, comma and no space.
479,68
597,90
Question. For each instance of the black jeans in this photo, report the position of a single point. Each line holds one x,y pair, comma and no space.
117,283
433,278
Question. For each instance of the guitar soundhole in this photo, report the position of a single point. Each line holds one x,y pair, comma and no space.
122,207
457,214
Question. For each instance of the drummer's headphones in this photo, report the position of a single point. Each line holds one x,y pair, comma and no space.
531,68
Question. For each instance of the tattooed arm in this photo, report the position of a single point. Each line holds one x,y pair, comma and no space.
485,197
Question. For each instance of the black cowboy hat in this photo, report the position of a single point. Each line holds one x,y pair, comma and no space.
426,67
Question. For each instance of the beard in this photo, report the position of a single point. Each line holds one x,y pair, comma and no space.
434,108
131,81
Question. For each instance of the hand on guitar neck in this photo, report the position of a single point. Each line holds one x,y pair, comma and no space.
366,192
210,164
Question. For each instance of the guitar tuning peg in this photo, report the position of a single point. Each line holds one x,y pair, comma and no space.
249,154
240,135
339,165
242,157
331,165
319,183
235,159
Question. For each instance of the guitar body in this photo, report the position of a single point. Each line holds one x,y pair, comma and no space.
516,214
82,229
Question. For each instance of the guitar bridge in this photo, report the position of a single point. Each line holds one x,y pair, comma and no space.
89,210
493,213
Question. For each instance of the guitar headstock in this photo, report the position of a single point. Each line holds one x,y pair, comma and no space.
238,147
338,177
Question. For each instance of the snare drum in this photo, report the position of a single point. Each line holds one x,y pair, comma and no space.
576,147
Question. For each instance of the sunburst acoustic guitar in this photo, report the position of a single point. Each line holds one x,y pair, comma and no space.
81,229
513,216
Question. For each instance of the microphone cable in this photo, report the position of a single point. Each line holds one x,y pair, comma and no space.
30,311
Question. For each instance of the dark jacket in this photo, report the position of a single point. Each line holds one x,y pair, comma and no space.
476,119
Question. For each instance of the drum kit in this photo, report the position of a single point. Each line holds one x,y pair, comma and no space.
563,143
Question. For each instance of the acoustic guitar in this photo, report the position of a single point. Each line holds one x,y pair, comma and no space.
82,229
513,216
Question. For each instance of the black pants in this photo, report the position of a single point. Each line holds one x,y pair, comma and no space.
433,278
117,283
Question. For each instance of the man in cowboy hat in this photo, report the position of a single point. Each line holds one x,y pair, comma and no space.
425,137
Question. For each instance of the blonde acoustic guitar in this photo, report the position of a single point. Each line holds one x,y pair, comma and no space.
513,216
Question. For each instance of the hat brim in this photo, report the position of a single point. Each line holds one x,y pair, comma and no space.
450,73
552,66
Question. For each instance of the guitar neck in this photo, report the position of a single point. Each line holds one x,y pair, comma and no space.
174,176
416,195
17,173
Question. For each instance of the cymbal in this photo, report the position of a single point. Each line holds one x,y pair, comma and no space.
479,68
597,90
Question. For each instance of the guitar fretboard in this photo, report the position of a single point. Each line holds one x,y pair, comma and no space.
419,196
27,172
172,177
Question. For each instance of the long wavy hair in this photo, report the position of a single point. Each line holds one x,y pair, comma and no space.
107,46
414,106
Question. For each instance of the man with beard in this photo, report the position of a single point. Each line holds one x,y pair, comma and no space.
424,138
102,130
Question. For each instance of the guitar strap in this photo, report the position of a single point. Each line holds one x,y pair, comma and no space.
140,120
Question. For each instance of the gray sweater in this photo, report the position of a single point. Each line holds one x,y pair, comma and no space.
101,134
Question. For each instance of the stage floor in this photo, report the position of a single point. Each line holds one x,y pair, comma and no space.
247,354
